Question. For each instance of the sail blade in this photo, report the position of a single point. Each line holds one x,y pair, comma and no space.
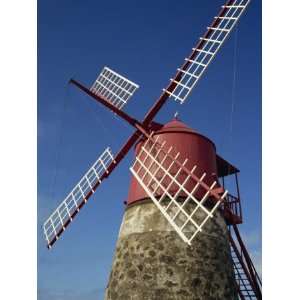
115,88
195,65
173,187
64,214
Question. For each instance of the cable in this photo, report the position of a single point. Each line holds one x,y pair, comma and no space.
59,142
233,93
108,132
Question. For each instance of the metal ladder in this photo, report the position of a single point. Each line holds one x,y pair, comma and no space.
247,280
243,285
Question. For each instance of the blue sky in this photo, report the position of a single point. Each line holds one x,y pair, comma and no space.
145,41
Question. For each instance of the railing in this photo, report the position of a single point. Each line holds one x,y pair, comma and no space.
232,209
244,256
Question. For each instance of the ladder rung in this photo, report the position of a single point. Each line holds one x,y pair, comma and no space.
226,18
220,29
200,50
245,278
195,62
188,73
210,40
233,6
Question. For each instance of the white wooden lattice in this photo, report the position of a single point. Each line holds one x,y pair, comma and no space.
73,202
114,87
203,55
172,188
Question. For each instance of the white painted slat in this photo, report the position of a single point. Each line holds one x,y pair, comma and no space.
233,6
217,28
174,96
188,73
225,18
181,84
195,62
203,51
210,40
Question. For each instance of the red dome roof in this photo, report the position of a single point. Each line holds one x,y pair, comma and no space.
177,125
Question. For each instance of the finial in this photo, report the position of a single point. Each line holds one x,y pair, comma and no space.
176,115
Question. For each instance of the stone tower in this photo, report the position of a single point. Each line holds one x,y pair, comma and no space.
151,261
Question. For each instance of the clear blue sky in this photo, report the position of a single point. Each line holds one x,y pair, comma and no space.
145,41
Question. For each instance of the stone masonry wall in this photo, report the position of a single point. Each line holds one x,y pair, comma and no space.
151,261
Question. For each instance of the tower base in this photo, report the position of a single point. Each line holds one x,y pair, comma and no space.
152,262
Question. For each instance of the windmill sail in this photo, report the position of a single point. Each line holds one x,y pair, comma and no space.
115,88
56,224
206,49
165,179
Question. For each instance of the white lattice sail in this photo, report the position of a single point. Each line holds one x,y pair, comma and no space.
172,187
71,205
113,87
205,51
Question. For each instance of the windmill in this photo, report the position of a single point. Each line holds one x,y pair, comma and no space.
181,189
